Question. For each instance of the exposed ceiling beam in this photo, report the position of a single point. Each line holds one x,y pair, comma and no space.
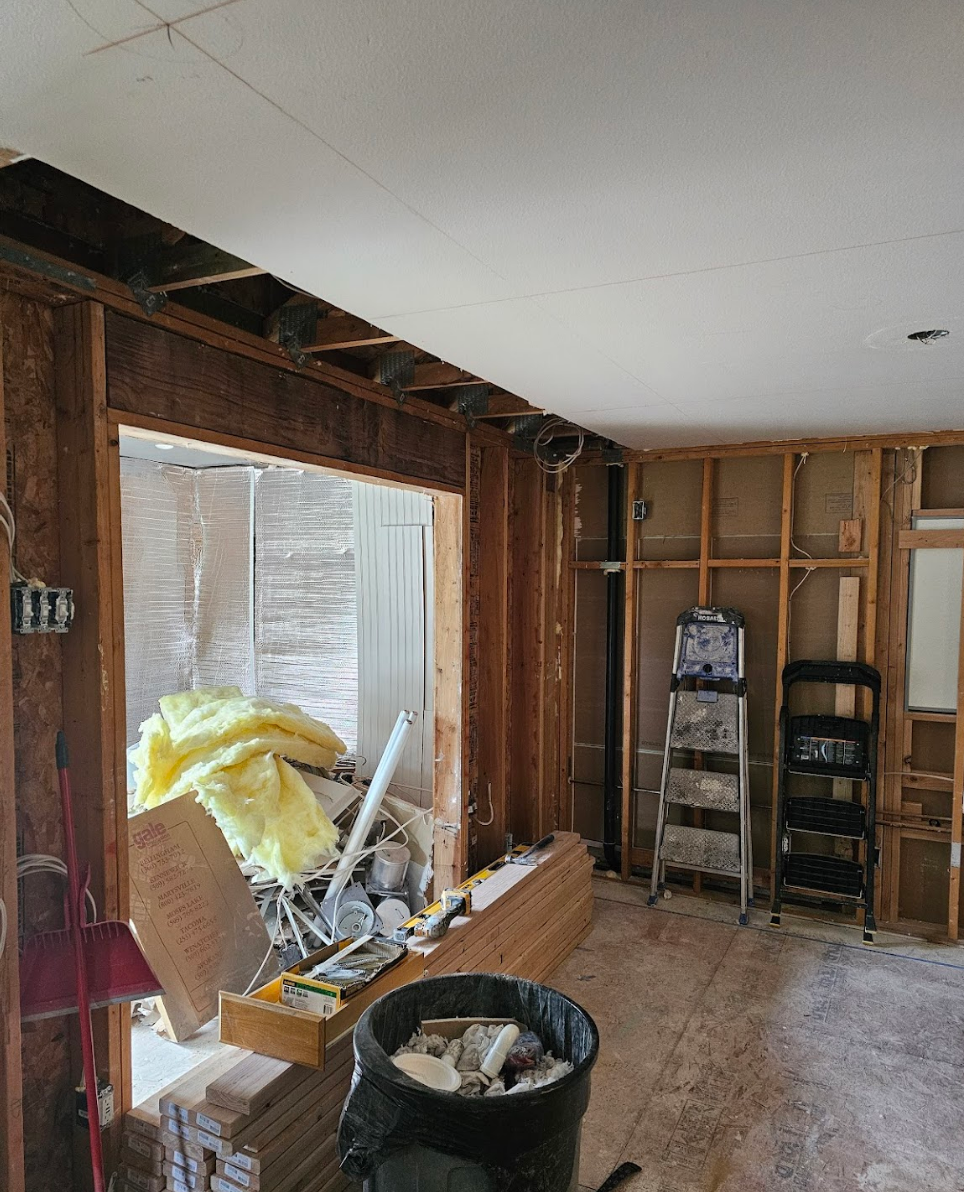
180,266
439,376
507,405
346,331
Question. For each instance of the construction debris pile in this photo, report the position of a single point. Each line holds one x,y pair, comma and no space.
231,750
490,1059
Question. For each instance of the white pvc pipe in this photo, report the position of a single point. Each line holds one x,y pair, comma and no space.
371,803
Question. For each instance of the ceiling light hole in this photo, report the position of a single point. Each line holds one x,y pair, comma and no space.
929,337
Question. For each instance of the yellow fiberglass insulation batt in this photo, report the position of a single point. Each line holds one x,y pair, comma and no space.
230,751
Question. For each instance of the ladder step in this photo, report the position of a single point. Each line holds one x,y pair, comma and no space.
700,848
704,788
711,727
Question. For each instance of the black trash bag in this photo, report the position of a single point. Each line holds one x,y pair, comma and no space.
524,1141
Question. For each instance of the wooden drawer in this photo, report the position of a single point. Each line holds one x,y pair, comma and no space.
259,1022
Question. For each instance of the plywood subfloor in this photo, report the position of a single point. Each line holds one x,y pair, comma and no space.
747,1059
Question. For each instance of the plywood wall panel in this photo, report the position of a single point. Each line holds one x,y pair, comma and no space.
745,509
671,528
38,712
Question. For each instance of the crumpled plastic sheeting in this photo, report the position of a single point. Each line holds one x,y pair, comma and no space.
230,750
527,1142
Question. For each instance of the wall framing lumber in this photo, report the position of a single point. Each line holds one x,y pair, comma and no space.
628,819
93,677
783,633
55,281
11,1075
957,797
451,789
154,373
493,649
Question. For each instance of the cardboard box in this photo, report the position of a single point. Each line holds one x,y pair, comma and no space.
262,1023
192,912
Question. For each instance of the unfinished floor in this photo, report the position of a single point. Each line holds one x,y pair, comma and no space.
748,1059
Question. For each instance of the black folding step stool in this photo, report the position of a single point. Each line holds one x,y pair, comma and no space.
828,747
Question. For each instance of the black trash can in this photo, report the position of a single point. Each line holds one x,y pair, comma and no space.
396,1134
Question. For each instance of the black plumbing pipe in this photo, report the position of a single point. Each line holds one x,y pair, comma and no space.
615,589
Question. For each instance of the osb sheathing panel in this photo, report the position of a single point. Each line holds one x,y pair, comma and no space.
31,435
672,492
745,510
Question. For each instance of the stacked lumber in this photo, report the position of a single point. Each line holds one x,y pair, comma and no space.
524,920
247,1123
154,1160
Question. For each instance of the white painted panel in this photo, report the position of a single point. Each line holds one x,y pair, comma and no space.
934,622
393,532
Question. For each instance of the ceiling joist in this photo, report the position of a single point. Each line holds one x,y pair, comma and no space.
181,267
343,332
439,376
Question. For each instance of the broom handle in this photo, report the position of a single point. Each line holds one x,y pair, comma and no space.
80,967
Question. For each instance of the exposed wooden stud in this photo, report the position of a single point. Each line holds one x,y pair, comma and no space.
493,649
566,583
11,1079
92,698
629,676
845,696
9,157
783,621
450,793
957,800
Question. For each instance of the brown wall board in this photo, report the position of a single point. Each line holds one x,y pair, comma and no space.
662,596
745,508
924,872
942,484
28,360
155,373
671,528
823,497
932,747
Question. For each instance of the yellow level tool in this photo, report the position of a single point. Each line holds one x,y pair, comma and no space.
410,926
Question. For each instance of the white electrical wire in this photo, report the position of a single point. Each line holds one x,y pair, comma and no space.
485,823
10,526
793,488
542,440
34,863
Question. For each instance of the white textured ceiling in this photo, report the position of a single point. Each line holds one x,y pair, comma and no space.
674,221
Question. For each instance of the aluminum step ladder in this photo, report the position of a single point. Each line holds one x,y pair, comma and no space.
707,716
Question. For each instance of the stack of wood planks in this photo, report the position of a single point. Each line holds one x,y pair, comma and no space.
241,1122
524,920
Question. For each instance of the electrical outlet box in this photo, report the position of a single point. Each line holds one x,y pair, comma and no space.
640,510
